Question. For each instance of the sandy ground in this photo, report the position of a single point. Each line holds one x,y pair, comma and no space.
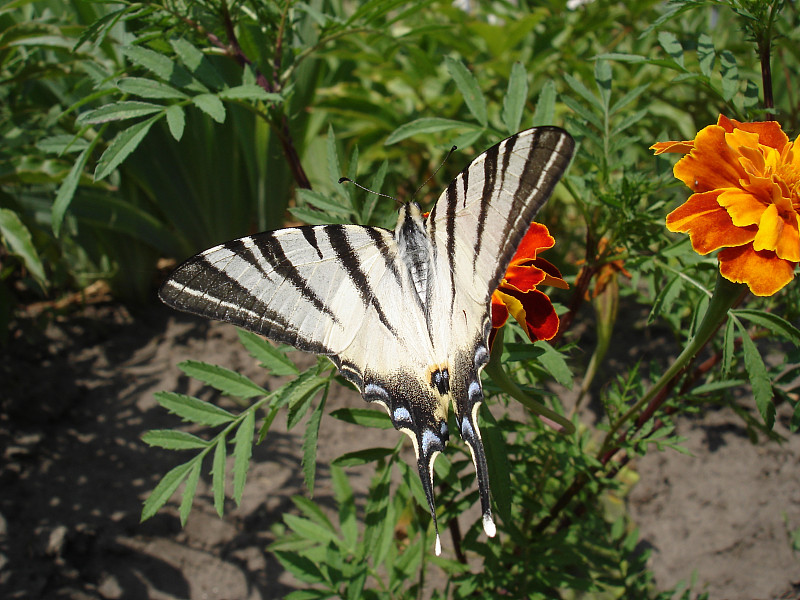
77,397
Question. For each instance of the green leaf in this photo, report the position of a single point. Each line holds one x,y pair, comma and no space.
730,75
59,144
580,89
517,95
728,347
198,63
555,364
271,358
211,105
323,203
545,111
249,92
165,488
310,437
425,125
218,475
148,88
706,54
362,457
122,145
334,166
309,530
163,67
347,506
226,381
66,191
301,567
300,400
173,440
18,240
759,380
193,409
176,120
469,88
364,416
602,78
189,491
671,46
775,323
242,451
313,512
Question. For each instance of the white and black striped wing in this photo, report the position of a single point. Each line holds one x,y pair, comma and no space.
475,228
317,288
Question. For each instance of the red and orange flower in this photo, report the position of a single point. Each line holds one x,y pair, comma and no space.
746,179
517,294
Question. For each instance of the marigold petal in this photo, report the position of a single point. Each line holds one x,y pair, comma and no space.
743,208
537,238
769,133
779,234
522,278
712,163
534,312
499,310
677,147
708,224
762,271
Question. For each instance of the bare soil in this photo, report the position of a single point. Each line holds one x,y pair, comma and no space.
77,395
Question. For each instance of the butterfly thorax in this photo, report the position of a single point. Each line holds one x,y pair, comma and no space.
414,248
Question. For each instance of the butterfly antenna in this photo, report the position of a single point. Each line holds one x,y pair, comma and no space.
453,149
366,189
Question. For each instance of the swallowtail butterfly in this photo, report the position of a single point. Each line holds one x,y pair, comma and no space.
403,314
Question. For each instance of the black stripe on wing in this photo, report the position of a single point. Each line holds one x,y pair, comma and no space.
337,237
202,288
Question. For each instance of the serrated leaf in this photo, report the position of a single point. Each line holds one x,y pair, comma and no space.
218,475
544,113
310,437
324,204
164,490
193,409
555,364
469,88
122,145
163,67
706,54
517,95
249,92
730,74
18,240
66,191
759,380
198,63
299,566
301,400
362,457
173,440
242,451
424,125
669,42
313,512
347,506
226,381
364,416
308,530
271,358
58,144
189,491
584,92
666,297
148,88
211,105
775,323
602,78
176,120
727,347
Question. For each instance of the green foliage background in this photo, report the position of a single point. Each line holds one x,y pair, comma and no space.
135,131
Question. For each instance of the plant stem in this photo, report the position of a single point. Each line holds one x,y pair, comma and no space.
507,385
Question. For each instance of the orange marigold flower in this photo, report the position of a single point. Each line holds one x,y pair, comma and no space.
517,294
746,179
